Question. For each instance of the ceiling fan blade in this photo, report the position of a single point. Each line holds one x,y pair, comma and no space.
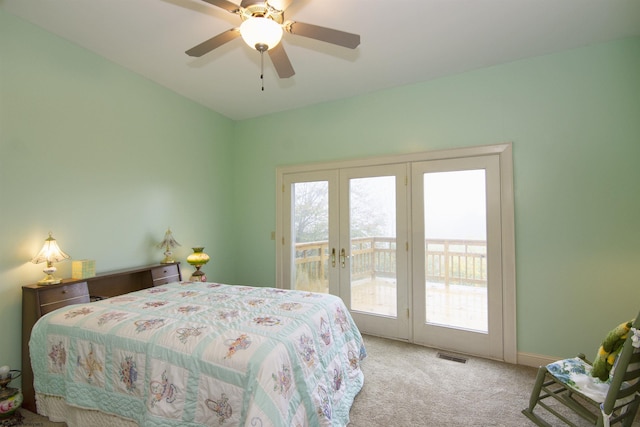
214,42
280,4
225,4
281,62
324,34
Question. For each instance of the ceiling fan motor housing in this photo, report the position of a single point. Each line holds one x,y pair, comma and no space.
262,10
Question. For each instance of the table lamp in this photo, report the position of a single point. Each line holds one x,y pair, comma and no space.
50,253
167,243
10,398
197,259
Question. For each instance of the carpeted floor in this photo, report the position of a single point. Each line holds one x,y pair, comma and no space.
408,385
33,420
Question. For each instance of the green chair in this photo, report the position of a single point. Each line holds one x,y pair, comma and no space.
602,403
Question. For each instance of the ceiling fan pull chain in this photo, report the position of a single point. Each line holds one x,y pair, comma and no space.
262,69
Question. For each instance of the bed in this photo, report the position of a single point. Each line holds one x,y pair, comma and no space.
199,354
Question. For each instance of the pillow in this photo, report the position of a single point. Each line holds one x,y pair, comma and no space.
608,351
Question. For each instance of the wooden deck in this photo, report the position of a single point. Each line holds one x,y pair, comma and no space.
459,306
456,274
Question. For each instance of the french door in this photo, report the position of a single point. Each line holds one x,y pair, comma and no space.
342,234
374,237
457,249
419,247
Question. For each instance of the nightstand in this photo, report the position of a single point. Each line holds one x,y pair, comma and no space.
37,301
166,273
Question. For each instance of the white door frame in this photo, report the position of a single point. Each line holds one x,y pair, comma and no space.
507,220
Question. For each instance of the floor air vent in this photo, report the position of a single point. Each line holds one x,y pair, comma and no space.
452,357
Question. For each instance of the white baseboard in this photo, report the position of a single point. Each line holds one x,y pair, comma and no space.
535,360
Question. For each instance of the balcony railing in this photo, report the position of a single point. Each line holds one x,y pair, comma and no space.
447,261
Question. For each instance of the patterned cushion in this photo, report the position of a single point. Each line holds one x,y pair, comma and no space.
576,374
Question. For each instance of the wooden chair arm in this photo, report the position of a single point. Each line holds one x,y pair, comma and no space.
583,357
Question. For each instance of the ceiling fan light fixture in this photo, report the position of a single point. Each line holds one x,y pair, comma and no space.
259,32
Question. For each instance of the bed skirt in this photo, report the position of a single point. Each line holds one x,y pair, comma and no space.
57,410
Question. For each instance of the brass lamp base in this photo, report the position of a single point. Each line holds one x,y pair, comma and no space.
168,257
198,275
49,271
49,280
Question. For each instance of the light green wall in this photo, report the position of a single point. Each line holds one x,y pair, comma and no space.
574,120
123,154
104,159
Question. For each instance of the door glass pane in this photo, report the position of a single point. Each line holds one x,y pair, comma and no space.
311,236
372,218
456,249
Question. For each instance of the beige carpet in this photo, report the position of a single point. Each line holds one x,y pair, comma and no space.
32,420
408,385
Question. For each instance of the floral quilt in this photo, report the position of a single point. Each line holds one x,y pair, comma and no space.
204,354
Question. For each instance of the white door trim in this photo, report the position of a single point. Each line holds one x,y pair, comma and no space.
507,225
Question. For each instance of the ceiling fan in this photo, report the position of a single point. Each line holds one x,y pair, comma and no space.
262,28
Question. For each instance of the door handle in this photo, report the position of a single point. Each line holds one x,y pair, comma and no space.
343,257
333,257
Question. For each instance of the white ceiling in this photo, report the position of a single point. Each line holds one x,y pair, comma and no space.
402,42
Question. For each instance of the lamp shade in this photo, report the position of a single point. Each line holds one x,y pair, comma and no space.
198,257
168,241
50,252
259,31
